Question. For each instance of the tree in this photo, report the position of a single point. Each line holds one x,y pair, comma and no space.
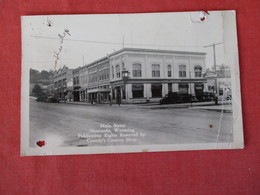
37,90
34,75
45,74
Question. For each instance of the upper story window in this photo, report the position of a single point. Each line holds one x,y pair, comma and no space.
123,65
137,70
113,72
169,71
117,71
182,71
198,71
155,70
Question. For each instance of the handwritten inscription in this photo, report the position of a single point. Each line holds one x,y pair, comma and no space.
57,54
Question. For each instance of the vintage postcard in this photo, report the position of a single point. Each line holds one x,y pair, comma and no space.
118,83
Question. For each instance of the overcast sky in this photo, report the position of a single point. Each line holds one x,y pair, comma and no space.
95,36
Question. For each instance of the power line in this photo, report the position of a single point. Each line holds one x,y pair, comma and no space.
115,43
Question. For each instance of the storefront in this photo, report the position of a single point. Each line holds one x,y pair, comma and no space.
184,88
199,87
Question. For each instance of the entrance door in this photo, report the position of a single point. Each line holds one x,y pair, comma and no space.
199,88
183,88
118,95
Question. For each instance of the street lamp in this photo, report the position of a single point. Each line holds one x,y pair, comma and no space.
125,77
190,89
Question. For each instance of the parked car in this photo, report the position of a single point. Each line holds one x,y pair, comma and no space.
205,96
229,97
174,97
52,100
41,99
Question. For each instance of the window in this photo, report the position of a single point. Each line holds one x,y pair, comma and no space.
169,70
113,72
156,90
123,66
138,90
117,71
182,71
137,70
198,71
155,70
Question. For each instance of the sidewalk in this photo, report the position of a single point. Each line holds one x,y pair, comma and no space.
226,107
219,108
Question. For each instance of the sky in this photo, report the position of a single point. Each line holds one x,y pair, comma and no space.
94,36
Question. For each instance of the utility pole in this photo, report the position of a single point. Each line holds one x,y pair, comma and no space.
215,65
190,89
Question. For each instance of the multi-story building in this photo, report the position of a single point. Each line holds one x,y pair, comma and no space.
63,84
83,82
76,84
98,88
154,73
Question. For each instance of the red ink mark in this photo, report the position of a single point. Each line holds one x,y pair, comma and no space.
207,12
202,19
40,143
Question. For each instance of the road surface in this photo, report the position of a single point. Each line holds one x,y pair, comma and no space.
61,124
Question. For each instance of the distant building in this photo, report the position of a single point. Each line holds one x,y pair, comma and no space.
63,83
76,84
221,78
83,82
98,87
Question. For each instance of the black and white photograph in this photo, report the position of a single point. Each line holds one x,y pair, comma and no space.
120,83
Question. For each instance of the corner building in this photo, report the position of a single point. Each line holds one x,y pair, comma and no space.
154,73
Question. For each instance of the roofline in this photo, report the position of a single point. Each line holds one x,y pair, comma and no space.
157,50
143,50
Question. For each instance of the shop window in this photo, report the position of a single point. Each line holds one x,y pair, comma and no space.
137,70
156,90
138,90
182,71
221,91
199,87
183,88
155,70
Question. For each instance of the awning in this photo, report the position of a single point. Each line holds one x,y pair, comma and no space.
97,90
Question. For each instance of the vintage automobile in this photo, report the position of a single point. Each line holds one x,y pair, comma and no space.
52,99
175,97
41,99
205,96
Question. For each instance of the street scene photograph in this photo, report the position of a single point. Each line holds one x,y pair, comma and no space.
130,83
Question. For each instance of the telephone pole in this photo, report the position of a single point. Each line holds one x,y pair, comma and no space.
214,65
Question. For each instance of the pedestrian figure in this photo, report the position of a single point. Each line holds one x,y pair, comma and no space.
119,99
216,100
110,100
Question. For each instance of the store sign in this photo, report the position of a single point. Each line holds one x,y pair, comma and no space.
210,75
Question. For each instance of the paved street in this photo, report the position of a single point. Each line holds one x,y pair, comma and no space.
62,124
